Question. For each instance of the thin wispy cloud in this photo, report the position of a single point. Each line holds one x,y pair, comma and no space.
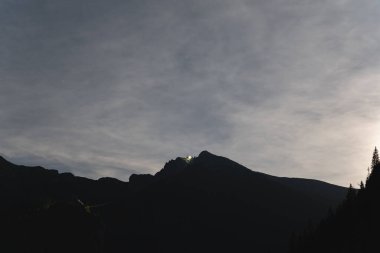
110,88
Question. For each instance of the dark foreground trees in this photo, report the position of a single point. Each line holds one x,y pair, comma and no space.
353,227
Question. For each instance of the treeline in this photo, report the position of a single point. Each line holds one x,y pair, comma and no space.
353,227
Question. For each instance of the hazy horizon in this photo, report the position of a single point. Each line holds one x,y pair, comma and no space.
109,88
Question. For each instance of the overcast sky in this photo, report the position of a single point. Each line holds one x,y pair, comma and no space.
114,87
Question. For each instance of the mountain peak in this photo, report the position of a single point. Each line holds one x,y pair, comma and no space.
205,154
173,167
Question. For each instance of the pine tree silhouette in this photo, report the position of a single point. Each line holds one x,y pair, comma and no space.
375,159
362,185
373,180
351,195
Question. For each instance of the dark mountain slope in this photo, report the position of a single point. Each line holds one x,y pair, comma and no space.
36,185
225,196
204,204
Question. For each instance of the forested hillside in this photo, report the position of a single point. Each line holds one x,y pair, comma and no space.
353,227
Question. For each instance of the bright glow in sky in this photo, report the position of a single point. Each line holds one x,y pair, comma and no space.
188,158
110,88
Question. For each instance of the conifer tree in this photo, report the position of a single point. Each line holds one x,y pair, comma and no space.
375,159
362,185
351,194
374,174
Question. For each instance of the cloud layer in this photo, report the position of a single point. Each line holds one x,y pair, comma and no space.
110,88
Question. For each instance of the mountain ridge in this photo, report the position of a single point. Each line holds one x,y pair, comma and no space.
180,164
207,203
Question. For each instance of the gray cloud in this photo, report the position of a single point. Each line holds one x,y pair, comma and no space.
109,88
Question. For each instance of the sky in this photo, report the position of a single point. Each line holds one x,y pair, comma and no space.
110,88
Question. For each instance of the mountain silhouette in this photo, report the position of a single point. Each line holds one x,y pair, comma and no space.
207,203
